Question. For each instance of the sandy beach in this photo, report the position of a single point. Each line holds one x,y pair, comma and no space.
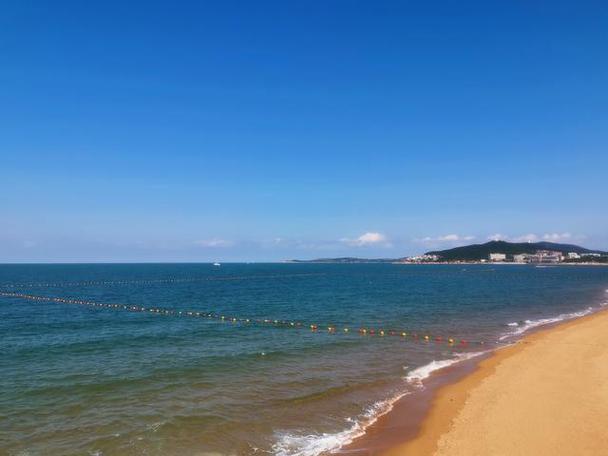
546,394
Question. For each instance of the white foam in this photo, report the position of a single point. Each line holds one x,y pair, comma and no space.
289,444
293,444
312,444
154,426
416,376
526,325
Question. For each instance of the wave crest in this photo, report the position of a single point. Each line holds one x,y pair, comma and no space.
289,444
416,376
526,325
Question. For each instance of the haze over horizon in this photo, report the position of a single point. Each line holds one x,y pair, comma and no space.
271,130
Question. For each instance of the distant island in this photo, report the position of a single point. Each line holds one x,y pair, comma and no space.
346,260
493,251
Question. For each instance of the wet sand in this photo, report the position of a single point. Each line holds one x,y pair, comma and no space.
546,394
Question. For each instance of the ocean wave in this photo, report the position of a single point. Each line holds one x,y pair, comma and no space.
416,376
526,325
313,444
290,444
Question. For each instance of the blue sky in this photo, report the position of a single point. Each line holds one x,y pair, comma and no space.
234,131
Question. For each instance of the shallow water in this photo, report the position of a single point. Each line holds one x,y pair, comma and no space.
82,380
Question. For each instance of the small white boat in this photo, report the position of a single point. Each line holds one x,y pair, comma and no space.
216,264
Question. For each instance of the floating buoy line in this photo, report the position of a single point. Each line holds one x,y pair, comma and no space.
267,322
157,281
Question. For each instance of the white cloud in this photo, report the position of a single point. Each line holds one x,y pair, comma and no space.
444,239
214,243
531,237
369,238
498,237
557,237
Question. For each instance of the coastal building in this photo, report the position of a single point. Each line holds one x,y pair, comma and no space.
498,257
573,256
521,258
422,259
541,256
545,256
552,257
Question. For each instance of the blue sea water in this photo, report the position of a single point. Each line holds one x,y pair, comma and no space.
78,379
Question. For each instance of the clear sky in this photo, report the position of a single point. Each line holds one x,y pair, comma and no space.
258,130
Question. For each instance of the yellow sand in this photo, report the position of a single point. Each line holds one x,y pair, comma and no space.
546,395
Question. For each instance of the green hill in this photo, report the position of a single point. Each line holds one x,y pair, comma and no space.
482,251
345,260
475,252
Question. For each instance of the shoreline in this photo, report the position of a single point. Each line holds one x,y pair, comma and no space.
532,389
416,421
402,422
494,263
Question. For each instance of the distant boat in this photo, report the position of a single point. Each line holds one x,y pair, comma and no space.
216,264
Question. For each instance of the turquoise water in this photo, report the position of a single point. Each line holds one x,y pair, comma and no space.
84,380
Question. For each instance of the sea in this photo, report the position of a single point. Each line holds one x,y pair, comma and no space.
242,359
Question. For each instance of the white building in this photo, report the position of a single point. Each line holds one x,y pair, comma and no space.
498,257
545,256
573,256
422,259
521,258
